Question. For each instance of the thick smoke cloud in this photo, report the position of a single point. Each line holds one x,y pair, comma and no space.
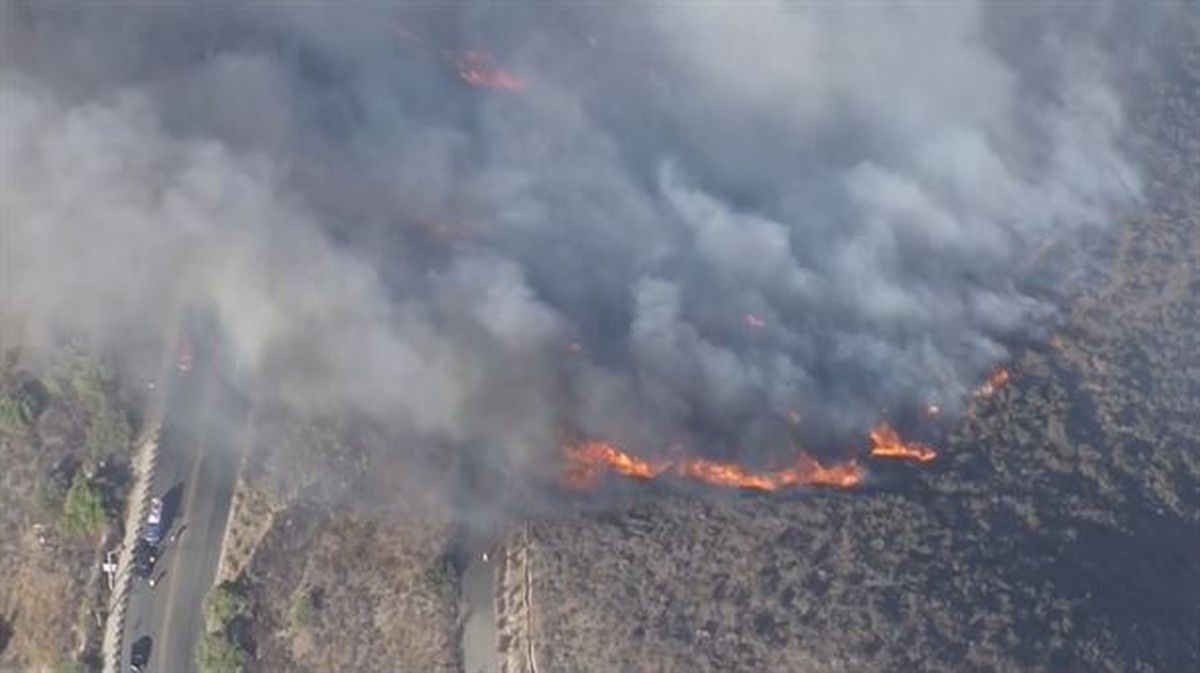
687,221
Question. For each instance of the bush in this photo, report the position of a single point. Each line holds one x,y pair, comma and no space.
90,384
303,608
224,604
16,413
51,491
83,511
69,666
441,574
216,654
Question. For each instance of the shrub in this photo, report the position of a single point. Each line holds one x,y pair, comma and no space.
16,413
303,608
224,604
89,383
83,511
51,491
217,654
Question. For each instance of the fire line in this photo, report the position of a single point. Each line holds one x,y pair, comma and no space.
588,461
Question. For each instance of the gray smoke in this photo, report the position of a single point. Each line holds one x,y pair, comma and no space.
689,221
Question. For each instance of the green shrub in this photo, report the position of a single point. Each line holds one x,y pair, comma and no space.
69,666
50,493
16,413
224,604
441,575
217,654
90,384
83,510
303,608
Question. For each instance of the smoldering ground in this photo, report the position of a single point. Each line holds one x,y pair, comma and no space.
680,223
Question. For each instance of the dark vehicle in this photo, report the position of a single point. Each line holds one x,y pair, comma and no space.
144,557
154,522
139,654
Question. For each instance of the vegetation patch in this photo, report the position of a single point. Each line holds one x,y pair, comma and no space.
83,512
303,609
216,653
219,650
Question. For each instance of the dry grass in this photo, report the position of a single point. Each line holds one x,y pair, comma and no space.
380,591
49,595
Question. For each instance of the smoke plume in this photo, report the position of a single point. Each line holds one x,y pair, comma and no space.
493,225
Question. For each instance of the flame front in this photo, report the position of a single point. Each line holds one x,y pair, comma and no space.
886,443
590,460
995,381
479,69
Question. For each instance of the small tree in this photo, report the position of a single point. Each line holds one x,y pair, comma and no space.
83,514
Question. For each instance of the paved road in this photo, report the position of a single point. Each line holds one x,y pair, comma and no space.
478,531
197,468
477,601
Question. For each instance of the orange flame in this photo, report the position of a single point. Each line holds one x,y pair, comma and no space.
590,460
479,69
886,443
995,381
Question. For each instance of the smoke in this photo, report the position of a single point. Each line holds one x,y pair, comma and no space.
688,222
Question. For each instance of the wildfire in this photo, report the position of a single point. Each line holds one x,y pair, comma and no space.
886,443
590,460
995,381
476,67
479,69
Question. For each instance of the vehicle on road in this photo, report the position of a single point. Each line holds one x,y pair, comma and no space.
154,522
145,555
139,654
